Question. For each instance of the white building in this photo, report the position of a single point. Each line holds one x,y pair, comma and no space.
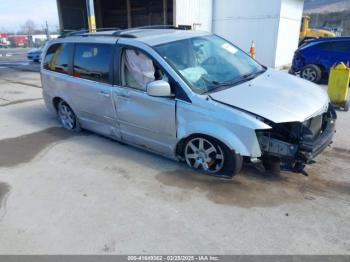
272,24
42,37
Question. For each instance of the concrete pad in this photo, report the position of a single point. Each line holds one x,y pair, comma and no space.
25,118
93,195
80,193
20,77
16,93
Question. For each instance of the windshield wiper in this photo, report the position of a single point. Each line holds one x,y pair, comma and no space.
220,84
216,85
254,74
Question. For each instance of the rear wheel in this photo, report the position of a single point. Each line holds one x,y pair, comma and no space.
212,156
67,117
312,73
346,105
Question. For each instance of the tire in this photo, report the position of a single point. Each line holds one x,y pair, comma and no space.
67,117
211,156
312,73
346,105
272,165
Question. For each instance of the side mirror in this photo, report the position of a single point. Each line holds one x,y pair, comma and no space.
159,88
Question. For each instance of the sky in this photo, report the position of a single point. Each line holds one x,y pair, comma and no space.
14,13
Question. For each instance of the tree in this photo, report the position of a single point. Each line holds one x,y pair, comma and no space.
29,27
3,29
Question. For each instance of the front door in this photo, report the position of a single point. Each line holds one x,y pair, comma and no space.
144,120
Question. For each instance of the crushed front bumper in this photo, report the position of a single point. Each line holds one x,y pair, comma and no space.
309,150
297,144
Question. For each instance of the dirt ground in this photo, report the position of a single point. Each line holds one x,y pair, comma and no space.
80,193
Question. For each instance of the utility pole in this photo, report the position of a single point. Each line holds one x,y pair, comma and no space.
47,31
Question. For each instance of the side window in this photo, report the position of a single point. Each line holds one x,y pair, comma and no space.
338,46
138,70
341,46
57,58
92,62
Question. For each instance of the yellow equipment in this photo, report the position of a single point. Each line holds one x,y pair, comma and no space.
338,85
306,31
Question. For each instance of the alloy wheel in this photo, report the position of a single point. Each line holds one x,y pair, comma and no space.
200,153
309,74
66,116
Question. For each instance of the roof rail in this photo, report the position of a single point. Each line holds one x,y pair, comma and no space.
124,32
83,31
117,31
66,33
156,27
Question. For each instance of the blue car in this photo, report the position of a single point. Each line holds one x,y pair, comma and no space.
35,54
314,59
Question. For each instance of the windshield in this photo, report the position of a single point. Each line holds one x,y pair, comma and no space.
209,63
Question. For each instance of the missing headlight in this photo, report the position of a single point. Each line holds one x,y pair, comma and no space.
276,147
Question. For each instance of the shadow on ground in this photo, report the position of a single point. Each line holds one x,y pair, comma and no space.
251,188
255,188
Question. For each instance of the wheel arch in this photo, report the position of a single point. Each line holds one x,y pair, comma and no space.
322,67
57,99
55,102
221,134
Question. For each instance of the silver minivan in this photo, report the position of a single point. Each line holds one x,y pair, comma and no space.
187,95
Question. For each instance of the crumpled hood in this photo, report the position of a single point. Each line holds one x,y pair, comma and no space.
276,96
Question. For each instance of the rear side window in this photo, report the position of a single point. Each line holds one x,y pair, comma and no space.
342,46
92,62
57,58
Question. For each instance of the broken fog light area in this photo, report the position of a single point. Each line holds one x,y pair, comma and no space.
312,128
276,147
296,141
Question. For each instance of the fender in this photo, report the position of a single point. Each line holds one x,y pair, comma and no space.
223,134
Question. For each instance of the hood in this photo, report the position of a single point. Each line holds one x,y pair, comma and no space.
35,50
276,96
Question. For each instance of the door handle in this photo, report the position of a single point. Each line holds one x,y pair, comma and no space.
103,93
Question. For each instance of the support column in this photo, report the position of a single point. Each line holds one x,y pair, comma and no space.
98,14
91,15
60,19
165,12
128,11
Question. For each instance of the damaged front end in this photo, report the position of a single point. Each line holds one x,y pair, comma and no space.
295,144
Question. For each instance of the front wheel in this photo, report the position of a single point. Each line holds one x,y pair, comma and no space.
212,156
312,73
272,165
